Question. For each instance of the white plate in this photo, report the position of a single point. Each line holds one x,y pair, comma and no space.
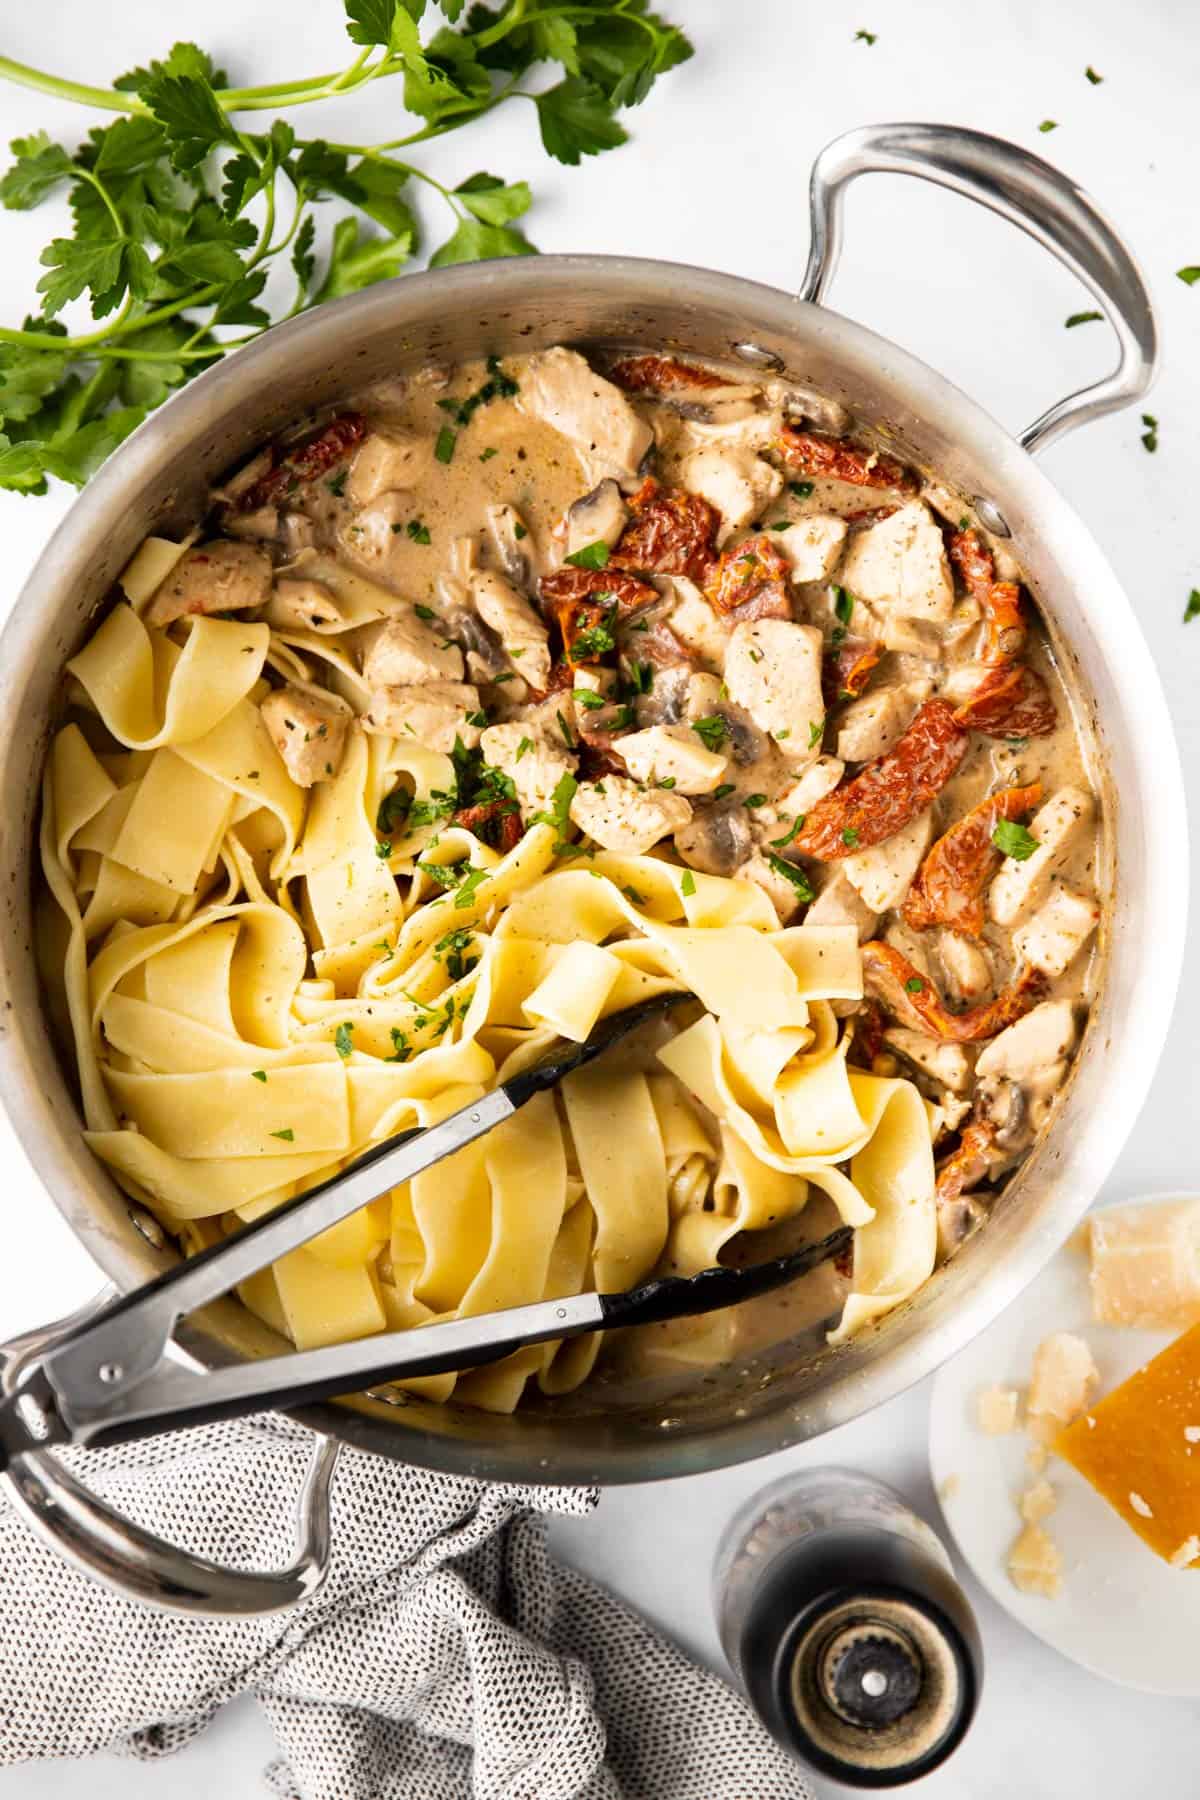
1121,1613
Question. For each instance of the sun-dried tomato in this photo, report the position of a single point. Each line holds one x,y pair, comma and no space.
889,792
311,456
950,882
750,581
596,760
1012,700
657,645
846,671
965,1167
812,453
671,533
497,822
870,515
661,375
912,998
587,604
869,1024
999,601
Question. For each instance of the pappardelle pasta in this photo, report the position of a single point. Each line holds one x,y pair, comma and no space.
341,828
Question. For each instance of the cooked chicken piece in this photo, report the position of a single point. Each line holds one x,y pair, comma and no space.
733,423
716,840
1058,931
675,755
838,903
819,779
946,1064
966,967
535,759
387,462
515,548
298,533
907,637
778,889
560,388
593,678
1020,887
515,623
884,874
737,482
1044,1037
309,731
212,578
619,816
813,545
901,564
914,946
434,714
869,727
773,669
404,651
598,518
702,631
298,604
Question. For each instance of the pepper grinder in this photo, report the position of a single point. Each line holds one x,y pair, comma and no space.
839,1612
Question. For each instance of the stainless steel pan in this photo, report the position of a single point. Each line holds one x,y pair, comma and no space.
158,481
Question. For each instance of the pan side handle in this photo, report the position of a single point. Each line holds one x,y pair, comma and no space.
110,1548
1029,193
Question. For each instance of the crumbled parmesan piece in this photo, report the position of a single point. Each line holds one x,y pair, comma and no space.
1036,1458
1186,1554
1037,1502
948,1488
1192,1433
1140,1506
1145,1265
997,1410
1060,1384
1035,1563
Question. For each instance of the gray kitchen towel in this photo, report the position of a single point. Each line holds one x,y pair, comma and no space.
447,1657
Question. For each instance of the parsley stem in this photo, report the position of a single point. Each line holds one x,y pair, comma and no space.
106,98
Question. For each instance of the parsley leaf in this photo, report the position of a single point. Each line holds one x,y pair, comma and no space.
1082,318
592,556
1192,609
1014,840
1189,275
789,872
687,884
343,1040
712,731
576,121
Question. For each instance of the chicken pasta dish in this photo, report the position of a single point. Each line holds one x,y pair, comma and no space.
511,694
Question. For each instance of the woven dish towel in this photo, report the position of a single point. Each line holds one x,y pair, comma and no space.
447,1657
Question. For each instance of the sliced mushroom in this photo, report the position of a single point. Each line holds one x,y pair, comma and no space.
512,542
599,517
716,840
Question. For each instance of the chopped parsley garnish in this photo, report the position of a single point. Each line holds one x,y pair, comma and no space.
337,483
780,525
259,1074
668,781
592,556
589,699
1150,435
1092,76
383,848
595,640
417,530
454,947
719,793
865,37
816,728
477,718
1014,840
850,837
560,807
631,893
790,872
687,884
837,637
498,386
394,808
1083,318
343,1040
797,825
519,531
756,656
641,677
1189,275
843,604
914,985
1048,125
287,1134
712,731
801,489
755,800
424,612
1192,609
465,892
487,455
525,745
443,448
401,1048
384,948
1017,743
568,740
444,875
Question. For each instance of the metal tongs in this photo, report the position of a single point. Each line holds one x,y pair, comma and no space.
107,1379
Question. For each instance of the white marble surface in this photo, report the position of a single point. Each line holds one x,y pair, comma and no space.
717,175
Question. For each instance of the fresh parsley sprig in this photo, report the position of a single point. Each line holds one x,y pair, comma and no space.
181,208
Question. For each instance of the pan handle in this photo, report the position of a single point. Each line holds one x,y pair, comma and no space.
1027,192
82,1527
